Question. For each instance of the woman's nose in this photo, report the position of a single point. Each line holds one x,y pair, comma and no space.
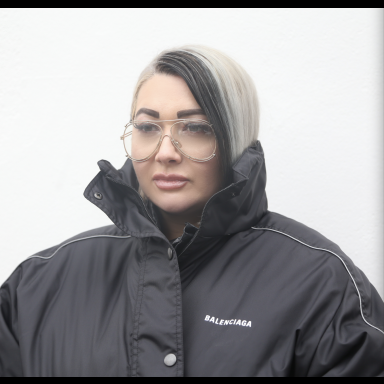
167,152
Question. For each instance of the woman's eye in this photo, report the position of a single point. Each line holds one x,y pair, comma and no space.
147,127
196,128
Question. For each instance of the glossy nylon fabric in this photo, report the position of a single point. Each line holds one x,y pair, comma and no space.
250,293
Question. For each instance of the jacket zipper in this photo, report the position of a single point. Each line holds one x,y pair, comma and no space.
202,215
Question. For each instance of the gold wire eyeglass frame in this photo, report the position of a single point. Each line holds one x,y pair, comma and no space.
173,141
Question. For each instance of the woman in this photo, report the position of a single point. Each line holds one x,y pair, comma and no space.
195,277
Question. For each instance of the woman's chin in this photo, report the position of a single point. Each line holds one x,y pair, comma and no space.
176,206
174,209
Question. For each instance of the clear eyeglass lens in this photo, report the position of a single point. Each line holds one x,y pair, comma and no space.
195,139
141,139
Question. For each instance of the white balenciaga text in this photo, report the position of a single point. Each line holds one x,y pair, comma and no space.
217,321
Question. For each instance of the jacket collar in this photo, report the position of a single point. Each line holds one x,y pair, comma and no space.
233,209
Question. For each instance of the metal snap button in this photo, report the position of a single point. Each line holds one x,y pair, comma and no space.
170,254
170,360
98,196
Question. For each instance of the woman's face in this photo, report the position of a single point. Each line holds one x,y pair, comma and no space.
167,97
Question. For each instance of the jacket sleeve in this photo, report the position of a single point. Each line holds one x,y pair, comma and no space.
352,344
10,361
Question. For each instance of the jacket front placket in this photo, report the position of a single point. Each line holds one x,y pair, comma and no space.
156,337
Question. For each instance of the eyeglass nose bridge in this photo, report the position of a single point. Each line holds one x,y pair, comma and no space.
173,141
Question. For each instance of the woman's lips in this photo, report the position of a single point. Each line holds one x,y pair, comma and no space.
171,181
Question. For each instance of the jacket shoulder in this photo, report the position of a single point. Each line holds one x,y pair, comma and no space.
110,231
299,236
296,230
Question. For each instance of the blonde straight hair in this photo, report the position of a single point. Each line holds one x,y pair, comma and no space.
222,88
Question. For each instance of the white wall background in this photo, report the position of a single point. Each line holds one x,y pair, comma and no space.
66,78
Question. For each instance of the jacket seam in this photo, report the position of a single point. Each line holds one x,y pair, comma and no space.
57,250
139,302
177,321
342,261
178,318
71,242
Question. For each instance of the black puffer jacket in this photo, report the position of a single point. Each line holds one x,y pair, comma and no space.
251,293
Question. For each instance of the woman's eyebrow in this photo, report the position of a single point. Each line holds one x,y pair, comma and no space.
189,112
149,112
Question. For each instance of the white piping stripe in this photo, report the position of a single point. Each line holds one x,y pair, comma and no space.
74,241
326,250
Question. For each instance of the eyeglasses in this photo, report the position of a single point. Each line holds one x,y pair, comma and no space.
195,139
